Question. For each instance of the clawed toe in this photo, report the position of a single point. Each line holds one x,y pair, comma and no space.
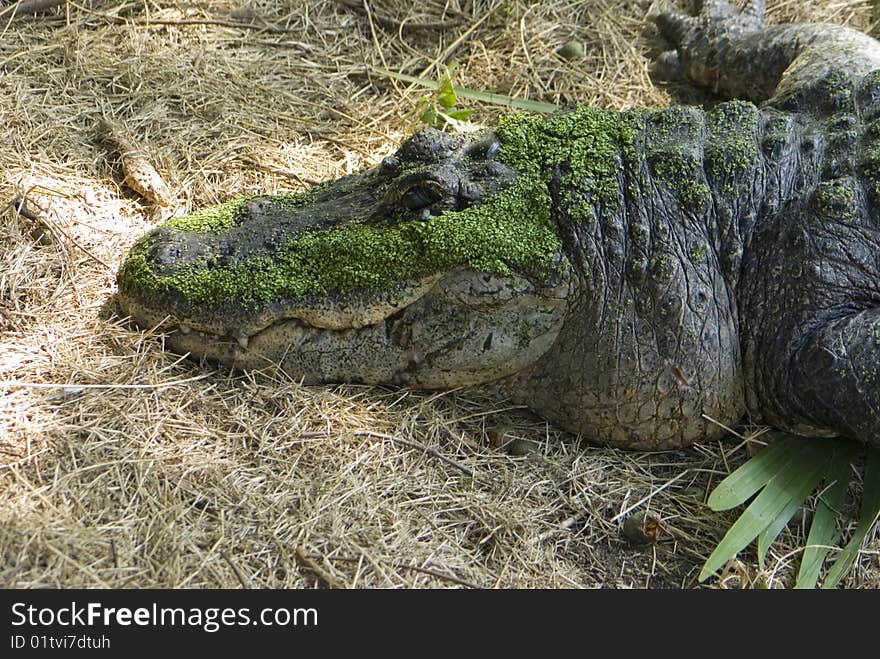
697,42
674,26
667,66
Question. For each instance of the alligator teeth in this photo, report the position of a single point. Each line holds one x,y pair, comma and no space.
184,329
243,341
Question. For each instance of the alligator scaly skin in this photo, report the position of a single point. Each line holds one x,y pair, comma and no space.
716,263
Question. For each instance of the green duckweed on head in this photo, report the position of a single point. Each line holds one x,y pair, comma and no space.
512,231
591,143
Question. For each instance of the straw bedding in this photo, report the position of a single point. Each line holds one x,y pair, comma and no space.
124,466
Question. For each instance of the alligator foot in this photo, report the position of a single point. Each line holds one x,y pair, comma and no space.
706,48
731,53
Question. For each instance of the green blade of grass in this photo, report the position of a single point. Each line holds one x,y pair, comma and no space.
868,514
823,529
799,493
754,474
475,94
804,467
768,535
459,115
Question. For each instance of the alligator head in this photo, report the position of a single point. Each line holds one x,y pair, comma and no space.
438,267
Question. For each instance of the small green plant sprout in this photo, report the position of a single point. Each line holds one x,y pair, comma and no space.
439,110
444,89
781,477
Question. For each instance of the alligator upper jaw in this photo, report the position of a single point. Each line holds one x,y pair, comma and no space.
334,311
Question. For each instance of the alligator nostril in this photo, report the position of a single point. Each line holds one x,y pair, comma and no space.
390,166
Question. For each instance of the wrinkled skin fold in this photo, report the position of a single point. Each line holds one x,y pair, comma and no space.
643,278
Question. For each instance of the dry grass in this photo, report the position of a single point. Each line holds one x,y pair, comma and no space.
123,466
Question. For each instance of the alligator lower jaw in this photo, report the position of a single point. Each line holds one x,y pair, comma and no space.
236,347
240,350
281,345
236,351
257,340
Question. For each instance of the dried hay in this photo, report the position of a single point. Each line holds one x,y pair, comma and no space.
122,465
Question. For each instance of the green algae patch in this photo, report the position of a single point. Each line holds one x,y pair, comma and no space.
734,145
869,159
212,219
681,171
512,231
588,145
837,200
674,153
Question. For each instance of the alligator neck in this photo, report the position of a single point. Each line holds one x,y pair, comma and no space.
645,180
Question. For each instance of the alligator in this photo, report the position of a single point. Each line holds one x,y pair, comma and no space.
645,278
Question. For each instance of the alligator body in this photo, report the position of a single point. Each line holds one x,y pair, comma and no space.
641,277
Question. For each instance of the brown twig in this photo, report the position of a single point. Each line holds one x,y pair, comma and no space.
392,24
42,232
20,205
329,138
329,580
420,447
28,7
286,173
148,22
265,27
235,570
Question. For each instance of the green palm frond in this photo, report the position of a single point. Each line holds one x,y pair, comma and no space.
867,518
781,478
823,529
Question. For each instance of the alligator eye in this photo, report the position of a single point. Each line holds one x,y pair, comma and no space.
486,149
421,195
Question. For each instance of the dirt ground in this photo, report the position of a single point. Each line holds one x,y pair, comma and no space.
125,466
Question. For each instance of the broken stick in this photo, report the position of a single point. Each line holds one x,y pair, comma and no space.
140,175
